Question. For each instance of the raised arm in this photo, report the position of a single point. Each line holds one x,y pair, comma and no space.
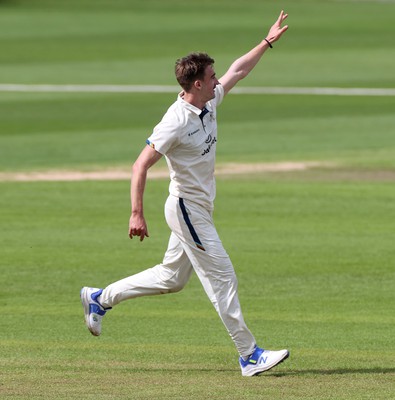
244,65
137,224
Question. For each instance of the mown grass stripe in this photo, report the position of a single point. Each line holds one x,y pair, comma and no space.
321,91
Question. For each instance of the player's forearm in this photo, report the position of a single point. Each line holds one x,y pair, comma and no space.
139,178
246,63
147,158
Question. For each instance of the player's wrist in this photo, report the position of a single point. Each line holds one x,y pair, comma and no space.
268,42
137,213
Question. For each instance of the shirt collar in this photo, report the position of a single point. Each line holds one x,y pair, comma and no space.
203,113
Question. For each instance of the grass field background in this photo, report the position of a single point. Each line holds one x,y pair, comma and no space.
313,250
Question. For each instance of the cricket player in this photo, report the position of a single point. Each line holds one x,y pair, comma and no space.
187,137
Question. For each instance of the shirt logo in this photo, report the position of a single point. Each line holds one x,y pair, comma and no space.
210,142
192,133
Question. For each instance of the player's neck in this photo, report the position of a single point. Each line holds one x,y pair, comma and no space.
191,98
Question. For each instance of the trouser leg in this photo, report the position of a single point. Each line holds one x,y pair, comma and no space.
168,277
195,229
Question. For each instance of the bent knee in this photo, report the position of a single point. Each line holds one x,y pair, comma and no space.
175,287
172,280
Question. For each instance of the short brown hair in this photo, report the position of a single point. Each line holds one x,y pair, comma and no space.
190,68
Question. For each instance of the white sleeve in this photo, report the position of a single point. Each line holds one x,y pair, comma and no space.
165,135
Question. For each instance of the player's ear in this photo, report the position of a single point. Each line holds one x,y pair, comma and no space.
197,84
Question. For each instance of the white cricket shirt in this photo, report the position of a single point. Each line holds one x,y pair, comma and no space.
187,137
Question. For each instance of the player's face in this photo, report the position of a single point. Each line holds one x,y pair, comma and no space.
209,83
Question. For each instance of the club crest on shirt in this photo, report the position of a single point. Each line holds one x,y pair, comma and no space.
210,141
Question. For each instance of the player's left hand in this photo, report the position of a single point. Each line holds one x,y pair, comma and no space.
276,30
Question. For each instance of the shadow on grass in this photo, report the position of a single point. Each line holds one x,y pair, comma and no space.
273,373
337,371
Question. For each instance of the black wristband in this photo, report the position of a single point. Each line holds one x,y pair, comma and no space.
270,45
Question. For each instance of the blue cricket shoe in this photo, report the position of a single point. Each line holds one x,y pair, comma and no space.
262,360
93,310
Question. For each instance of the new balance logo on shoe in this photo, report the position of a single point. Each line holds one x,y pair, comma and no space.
262,360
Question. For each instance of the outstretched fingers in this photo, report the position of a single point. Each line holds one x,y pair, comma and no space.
281,17
276,30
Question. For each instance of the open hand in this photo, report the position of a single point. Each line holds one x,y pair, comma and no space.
276,30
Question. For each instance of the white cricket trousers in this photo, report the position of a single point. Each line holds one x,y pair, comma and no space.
194,245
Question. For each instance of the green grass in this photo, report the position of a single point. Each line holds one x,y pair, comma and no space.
84,130
330,43
315,268
313,250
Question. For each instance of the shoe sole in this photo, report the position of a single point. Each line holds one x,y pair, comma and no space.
84,295
261,370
